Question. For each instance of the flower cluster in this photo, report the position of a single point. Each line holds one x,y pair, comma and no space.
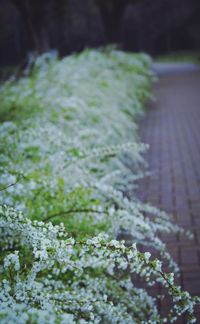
77,280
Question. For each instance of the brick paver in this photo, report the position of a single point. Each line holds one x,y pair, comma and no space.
172,128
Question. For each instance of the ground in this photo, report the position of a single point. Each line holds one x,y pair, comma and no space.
172,129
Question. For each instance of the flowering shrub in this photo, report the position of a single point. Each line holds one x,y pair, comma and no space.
69,153
70,280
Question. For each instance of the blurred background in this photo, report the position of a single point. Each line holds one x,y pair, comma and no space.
157,27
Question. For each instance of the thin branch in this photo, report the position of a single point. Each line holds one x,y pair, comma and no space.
12,184
71,211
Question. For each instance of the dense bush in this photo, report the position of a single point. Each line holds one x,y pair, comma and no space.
69,156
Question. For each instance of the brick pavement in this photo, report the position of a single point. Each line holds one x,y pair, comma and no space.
172,128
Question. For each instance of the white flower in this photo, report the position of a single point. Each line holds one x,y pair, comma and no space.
12,259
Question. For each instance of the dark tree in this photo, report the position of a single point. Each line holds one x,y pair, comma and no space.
35,16
112,14
72,25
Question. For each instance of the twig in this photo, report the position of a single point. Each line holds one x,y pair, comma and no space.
71,211
11,185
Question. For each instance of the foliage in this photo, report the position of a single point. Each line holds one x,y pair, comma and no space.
66,164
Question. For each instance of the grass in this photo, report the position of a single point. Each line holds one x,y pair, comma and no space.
179,57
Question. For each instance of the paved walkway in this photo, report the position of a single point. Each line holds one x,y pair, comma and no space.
172,128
